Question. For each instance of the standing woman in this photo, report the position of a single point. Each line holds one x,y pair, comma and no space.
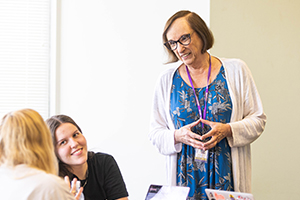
206,112
98,173
28,165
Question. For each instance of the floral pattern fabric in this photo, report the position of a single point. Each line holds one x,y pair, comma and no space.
216,173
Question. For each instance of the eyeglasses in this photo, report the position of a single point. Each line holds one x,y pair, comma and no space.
184,40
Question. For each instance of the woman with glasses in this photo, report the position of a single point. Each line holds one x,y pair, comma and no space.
98,173
206,112
28,165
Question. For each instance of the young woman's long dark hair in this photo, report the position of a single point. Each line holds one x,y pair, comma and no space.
53,123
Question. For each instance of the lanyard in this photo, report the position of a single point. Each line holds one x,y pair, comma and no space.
206,90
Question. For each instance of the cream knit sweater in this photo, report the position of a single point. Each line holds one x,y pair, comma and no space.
247,121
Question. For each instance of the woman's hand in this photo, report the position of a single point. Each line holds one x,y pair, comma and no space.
73,190
186,136
218,132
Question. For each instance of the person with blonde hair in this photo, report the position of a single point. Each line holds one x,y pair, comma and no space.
28,165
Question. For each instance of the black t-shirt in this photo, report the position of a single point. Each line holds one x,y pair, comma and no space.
104,180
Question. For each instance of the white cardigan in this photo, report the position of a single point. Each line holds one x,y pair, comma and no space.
247,121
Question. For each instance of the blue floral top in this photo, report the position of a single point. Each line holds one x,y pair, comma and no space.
217,171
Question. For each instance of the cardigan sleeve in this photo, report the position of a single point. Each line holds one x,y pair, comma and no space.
161,130
248,118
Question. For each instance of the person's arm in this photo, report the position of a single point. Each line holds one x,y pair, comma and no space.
249,119
114,184
161,133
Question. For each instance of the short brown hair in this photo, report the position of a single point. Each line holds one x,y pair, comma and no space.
197,24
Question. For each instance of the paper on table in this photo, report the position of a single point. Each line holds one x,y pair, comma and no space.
171,193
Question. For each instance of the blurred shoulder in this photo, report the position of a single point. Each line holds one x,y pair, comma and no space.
51,180
167,74
48,186
99,157
171,68
233,62
235,66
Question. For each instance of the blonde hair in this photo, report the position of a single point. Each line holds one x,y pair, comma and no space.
26,139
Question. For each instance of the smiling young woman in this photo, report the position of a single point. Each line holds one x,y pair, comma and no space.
98,173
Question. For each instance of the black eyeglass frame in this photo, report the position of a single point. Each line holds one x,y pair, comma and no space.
185,35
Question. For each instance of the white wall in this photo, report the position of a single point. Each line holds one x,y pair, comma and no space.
111,54
265,34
